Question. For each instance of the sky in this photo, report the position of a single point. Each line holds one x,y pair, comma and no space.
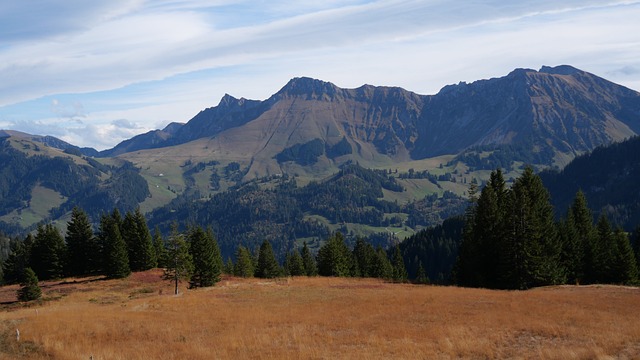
94,73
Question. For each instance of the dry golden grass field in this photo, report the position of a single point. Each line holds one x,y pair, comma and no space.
317,318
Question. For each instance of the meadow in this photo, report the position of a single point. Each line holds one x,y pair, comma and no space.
316,318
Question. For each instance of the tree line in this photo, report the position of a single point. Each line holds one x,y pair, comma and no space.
511,240
122,245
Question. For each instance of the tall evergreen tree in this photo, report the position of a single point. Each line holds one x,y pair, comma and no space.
381,267
399,269
29,288
18,260
534,248
115,258
294,265
159,248
363,256
267,264
228,267
625,267
206,267
421,275
140,248
82,247
48,253
604,252
310,266
572,253
334,257
586,234
179,261
244,264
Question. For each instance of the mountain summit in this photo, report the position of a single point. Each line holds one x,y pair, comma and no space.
556,113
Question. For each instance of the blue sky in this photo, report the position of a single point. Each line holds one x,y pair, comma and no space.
97,72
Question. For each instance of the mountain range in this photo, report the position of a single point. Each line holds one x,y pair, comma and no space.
429,146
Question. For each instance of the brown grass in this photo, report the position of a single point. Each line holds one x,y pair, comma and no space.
319,318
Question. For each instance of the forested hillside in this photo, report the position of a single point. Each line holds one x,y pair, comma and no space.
608,176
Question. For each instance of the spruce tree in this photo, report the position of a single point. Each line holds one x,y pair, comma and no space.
399,269
48,253
310,266
534,248
363,256
625,266
572,254
82,246
294,264
381,267
244,264
586,237
159,248
604,253
179,261
228,267
267,264
334,257
421,275
29,288
13,267
140,248
206,268
115,258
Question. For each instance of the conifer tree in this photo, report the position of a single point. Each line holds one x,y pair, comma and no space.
382,267
206,267
140,248
13,267
48,253
534,246
586,238
159,248
267,264
310,266
29,288
421,275
363,257
82,247
625,267
228,267
115,257
244,264
179,261
399,269
572,253
334,257
294,266
604,252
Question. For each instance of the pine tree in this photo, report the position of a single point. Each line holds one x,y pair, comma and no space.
159,248
115,257
382,267
206,268
228,267
13,267
267,264
244,264
625,266
294,264
572,254
604,252
82,246
48,253
310,266
586,237
399,269
140,248
363,256
334,257
421,275
29,288
179,262
534,247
